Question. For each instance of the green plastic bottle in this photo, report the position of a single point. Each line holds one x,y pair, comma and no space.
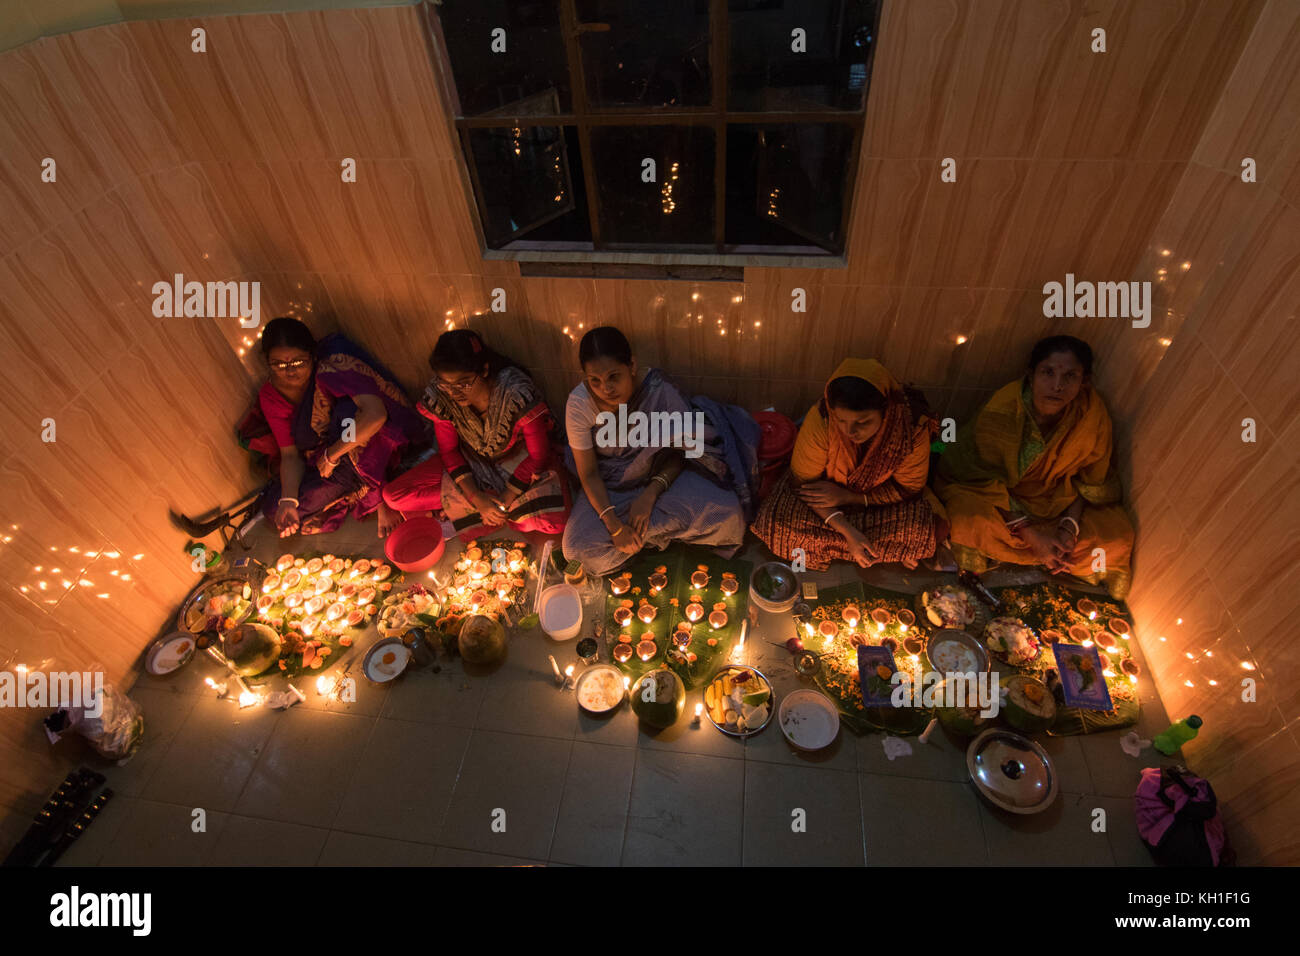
1177,734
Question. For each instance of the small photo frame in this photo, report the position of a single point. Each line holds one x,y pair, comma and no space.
877,691
1082,678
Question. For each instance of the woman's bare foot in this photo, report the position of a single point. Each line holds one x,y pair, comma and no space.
388,519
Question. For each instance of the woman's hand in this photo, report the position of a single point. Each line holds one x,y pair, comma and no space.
326,463
625,538
639,515
1040,540
859,548
827,494
287,518
489,509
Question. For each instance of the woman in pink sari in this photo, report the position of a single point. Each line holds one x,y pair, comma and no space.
340,421
496,463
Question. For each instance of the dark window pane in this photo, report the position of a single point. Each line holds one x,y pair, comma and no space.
528,185
676,209
647,55
765,73
534,60
786,184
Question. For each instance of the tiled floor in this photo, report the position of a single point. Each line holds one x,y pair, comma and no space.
498,769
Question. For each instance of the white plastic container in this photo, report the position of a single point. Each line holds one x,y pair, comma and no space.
561,612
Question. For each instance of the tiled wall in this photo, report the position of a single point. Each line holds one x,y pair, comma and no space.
1217,590
226,165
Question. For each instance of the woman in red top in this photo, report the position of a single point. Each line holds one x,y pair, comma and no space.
496,464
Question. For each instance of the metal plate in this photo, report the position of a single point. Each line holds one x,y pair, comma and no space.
1012,772
397,647
1001,657
200,594
771,709
983,613
585,675
169,653
952,635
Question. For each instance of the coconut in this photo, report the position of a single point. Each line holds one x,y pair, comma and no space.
1030,705
658,698
482,640
251,648
962,721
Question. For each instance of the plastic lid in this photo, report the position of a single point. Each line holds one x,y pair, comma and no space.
1194,722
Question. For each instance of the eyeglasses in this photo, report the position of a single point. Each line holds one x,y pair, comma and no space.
290,366
459,387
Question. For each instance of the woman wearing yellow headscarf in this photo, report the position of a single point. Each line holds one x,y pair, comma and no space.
856,486
1031,480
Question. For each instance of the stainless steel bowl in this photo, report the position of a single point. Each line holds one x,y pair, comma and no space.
1012,772
771,705
787,587
951,635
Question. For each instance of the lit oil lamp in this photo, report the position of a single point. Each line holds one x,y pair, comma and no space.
347,592
309,624
1119,626
882,616
718,618
335,567
682,636
729,585
913,645
358,569
264,603
315,604
365,596
700,577
646,612
478,598
658,580
1087,608
646,650
622,653
1130,667
272,583
905,619
621,584
291,580
314,566
336,611
828,629
1081,634
622,615
479,570
695,610
284,563
515,559
292,600
381,573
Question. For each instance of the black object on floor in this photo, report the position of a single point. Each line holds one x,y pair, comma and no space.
65,816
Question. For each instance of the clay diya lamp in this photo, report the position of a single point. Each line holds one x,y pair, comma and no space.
478,599
1130,666
1087,608
700,577
913,645
658,580
646,612
264,602
905,618
355,617
729,585
315,604
292,600
646,650
1119,626
1080,633
284,563
473,554
291,580
622,615
828,629
695,610
890,643
719,616
1050,636
335,567
381,573
360,568
514,559
479,570
1105,640
621,584
365,596
347,592
336,611
681,638
314,566
622,653
882,616
323,584
309,624
272,583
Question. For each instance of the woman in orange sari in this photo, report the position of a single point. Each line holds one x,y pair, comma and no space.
856,486
1032,480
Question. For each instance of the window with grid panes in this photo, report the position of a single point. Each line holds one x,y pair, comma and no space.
698,128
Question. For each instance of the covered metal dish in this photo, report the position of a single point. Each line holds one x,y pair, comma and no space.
1012,772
